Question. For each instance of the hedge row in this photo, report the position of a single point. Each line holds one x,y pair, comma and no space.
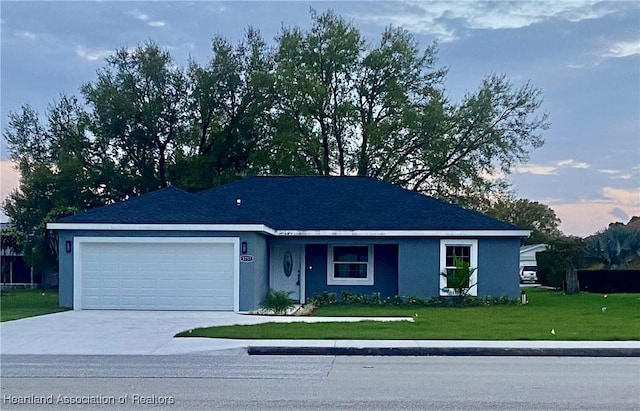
609,281
347,297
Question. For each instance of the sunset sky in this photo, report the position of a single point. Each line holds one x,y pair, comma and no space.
584,56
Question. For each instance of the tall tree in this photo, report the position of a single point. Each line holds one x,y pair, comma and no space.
229,103
460,147
316,76
58,174
353,108
394,81
531,215
139,102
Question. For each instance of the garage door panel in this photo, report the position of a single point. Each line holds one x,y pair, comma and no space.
157,275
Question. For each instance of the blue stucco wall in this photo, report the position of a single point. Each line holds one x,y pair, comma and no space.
498,262
385,277
65,271
417,272
419,267
254,277
404,266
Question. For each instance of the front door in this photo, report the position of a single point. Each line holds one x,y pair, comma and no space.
286,268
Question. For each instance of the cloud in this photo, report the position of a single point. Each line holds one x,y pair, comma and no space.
623,49
617,212
584,218
438,18
138,15
92,55
550,169
536,169
627,197
27,35
617,174
571,163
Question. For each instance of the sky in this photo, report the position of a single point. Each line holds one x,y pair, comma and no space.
583,55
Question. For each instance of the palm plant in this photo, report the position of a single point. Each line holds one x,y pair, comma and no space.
615,246
459,278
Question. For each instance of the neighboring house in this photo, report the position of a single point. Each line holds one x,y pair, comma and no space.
528,254
222,249
14,271
528,262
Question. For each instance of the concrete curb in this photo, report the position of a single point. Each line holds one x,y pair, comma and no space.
446,351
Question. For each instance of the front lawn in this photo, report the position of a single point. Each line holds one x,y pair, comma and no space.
571,317
15,304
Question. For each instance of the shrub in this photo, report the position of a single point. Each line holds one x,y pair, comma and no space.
375,299
278,301
413,300
347,297
550,270
322,298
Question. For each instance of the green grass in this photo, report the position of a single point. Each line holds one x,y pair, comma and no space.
15,304
572,317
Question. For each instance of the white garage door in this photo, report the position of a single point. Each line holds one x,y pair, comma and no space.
155,274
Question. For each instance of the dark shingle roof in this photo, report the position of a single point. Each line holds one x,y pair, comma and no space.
297,203
165,206
342,203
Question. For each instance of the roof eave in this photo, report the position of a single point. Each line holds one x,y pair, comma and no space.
287,232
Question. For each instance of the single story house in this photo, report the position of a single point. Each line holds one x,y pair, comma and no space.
222,249
528,254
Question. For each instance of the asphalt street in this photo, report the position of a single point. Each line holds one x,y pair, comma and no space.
234,380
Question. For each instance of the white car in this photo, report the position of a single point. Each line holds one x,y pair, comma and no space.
528,273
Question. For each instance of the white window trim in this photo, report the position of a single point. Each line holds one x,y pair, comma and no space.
444,291
331,280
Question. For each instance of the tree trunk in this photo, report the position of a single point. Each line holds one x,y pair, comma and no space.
571,279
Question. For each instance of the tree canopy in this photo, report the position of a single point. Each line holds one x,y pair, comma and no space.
531,215
323,100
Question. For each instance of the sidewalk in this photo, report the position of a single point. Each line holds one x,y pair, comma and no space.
404,347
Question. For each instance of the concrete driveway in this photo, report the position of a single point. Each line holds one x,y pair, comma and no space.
93,332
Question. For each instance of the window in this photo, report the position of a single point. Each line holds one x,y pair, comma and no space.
460,250
350,265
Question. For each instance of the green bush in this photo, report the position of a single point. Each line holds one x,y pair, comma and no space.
347,297
278,301
550,270
322,298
